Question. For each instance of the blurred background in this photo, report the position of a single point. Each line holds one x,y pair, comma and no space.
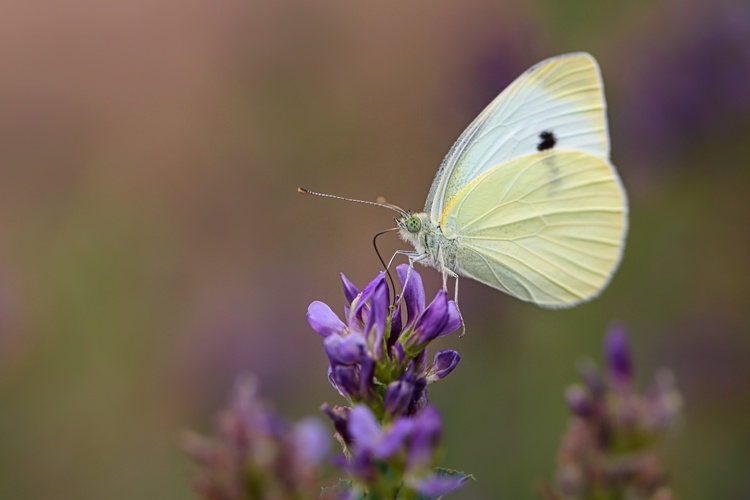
152,244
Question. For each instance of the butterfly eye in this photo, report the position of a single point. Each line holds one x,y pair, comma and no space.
413,224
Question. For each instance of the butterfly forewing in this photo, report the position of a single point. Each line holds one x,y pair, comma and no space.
547,227
557,105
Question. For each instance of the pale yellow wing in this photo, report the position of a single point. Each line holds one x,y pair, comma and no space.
548,228
562,96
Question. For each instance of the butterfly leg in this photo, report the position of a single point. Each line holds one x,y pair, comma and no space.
412,256
453,275
443,270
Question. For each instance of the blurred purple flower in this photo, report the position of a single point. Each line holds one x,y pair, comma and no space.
579,401
592,378
663,401
617,354
688,81
608,444
256,454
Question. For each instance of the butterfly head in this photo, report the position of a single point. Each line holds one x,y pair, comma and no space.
411,225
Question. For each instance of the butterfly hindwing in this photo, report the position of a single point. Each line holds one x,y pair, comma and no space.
547,227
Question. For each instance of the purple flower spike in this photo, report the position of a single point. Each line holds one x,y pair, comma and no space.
366,375
370,288
332,381
433,321
339,415
442,365
350,291
419,397
345,379
413,293
396,325
323,320
617,353
400,394
394,439
420,362
425,438
378,317
376,451
454,320
397,353
361,310
378,362
363,427
369,439
345,349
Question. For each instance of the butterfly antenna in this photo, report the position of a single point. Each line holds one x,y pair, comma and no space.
383,201
388,206
385,266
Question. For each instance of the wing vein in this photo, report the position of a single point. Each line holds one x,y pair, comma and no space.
540,273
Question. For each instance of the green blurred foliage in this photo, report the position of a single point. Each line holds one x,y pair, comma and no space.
152,245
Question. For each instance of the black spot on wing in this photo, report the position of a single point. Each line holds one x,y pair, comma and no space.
547,140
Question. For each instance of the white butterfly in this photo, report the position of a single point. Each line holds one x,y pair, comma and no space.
526,201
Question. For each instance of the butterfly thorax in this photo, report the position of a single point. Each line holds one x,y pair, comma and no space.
428,240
